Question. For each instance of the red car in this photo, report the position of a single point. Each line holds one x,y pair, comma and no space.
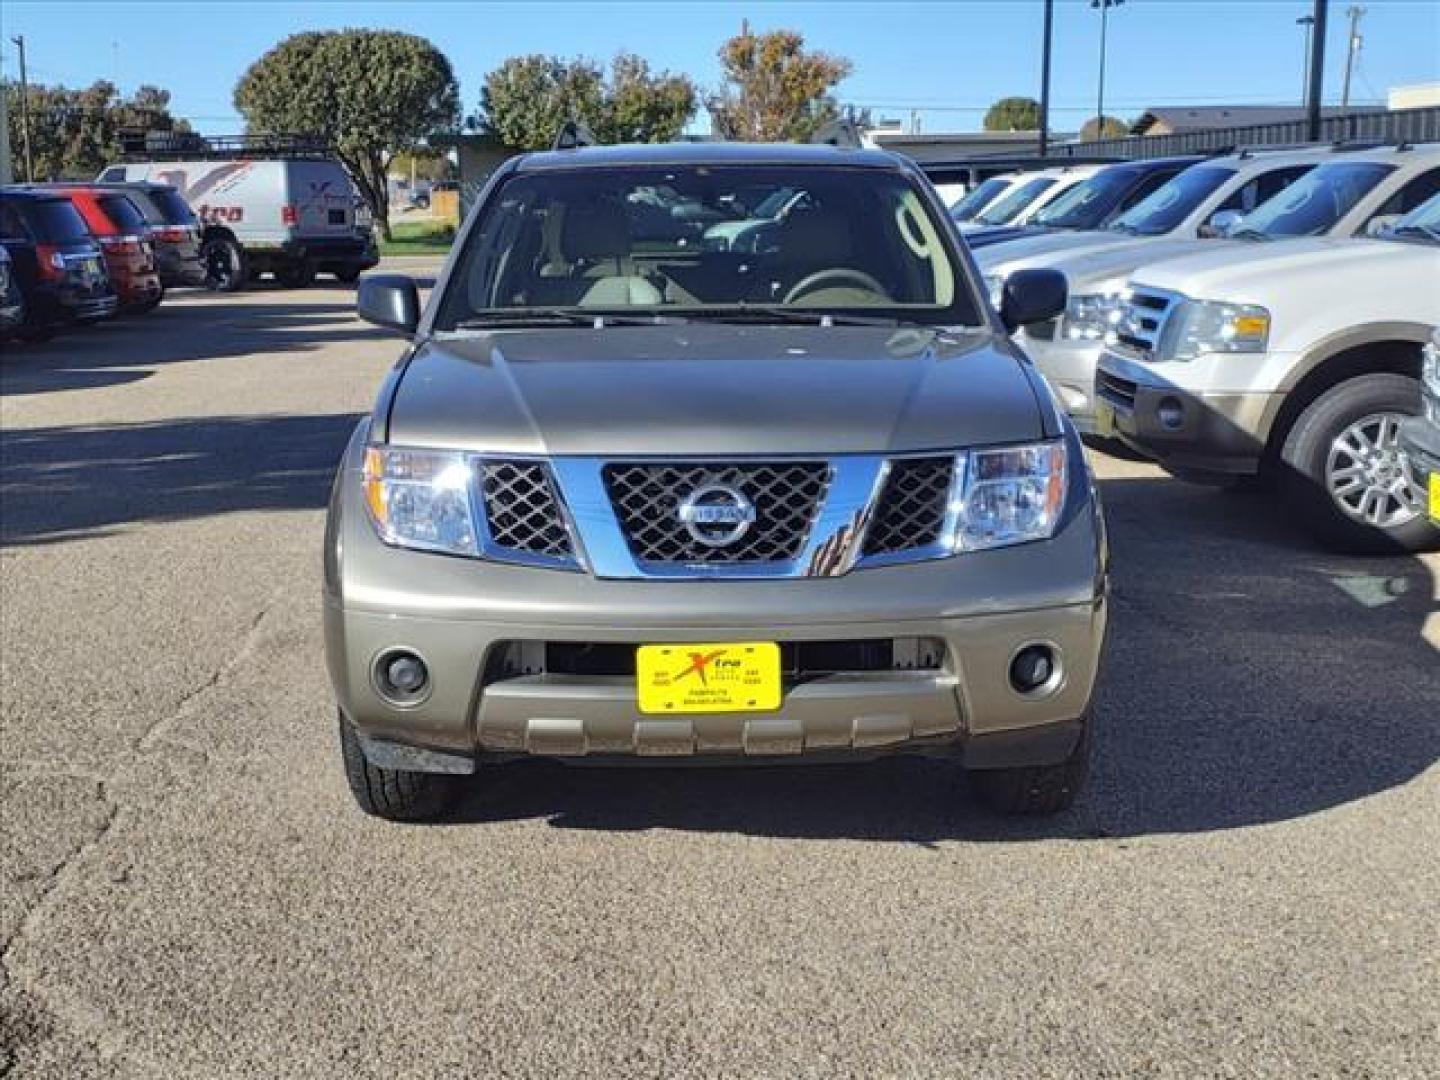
124,236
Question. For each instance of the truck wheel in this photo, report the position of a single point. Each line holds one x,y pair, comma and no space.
393,794
295,275
1344,473
225,269
1036,789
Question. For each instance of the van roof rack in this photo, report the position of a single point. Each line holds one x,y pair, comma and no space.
574,135
191,146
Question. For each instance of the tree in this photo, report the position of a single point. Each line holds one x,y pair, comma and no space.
1108,127
76,133
774,90
527,99
368,94
1013,114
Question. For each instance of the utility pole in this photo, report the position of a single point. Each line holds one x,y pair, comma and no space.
1045,78
1355,12
25,111
1307,21
1317,71
1104,6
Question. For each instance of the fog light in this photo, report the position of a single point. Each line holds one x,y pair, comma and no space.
1170,413
402,677
1034,668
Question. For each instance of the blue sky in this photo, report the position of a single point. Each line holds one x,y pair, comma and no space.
948,60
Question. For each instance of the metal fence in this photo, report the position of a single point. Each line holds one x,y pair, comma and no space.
1392,126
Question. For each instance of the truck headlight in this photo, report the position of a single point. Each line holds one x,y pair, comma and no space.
1089,316
421,499
1212,326
1010,495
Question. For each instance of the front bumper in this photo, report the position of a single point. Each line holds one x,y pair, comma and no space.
1069,368
1189,433
457,614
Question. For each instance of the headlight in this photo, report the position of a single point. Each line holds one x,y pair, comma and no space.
421,499
994,289
1010,496
1210,326
1090,316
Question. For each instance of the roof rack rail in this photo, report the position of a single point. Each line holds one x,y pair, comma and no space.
573,135
843,132
138,145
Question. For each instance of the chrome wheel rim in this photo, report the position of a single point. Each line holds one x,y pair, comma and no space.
1367,476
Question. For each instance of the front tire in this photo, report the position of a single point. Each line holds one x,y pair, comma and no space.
1036,790
392,794
1344,474
225,269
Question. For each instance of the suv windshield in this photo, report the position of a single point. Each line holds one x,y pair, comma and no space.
1013,203
975,200
1173,202
1422,224
1314,203
679,241
1087,203
54,221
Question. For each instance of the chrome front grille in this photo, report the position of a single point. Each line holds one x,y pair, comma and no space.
786,498
1142,320
911,511
522,511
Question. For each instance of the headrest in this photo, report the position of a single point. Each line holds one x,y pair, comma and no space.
596,230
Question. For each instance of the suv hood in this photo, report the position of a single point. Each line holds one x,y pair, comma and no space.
1260,272
1007,256
1085,270
707,388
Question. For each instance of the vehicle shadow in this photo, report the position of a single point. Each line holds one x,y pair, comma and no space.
1251,679
63,483
191,327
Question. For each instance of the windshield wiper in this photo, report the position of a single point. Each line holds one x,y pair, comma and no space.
763,313
1431,235
1247,234
595,319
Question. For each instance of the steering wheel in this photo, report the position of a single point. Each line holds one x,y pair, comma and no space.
813,282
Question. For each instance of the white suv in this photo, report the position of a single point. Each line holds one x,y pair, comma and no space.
1347,193
1296,362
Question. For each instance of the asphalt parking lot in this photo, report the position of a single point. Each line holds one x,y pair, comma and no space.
1250,887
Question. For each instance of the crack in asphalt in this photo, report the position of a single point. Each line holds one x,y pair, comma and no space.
11,979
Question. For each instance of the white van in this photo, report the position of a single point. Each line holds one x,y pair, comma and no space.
292,217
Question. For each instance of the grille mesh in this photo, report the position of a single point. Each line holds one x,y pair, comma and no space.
912,508
522,510
786,495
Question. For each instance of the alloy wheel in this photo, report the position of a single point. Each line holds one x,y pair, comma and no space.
1367,476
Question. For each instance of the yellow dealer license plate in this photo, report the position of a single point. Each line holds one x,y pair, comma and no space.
1435,497
711,677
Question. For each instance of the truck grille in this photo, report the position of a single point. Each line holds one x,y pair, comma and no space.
912,507
522,512
786,496
1142,320
1115,390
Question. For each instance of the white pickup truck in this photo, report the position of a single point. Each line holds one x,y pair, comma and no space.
1297,361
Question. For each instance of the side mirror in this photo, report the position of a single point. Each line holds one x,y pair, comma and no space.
391,301
1380,224
1032,296
1220,223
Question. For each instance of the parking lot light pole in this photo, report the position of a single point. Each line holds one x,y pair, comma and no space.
1317,71
1045,78
1307,21
1104,6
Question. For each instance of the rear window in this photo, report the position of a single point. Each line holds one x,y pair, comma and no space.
123,214
172,205
53,221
